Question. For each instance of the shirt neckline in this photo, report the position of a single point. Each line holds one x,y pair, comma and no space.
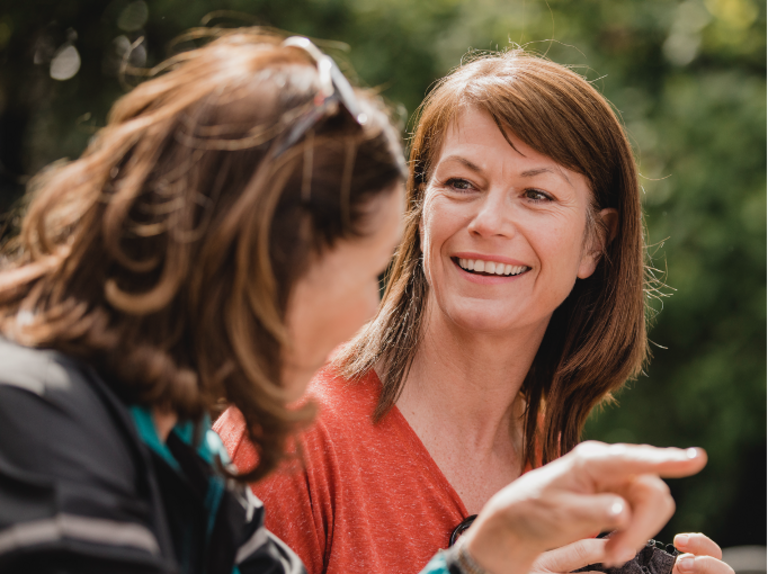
400,420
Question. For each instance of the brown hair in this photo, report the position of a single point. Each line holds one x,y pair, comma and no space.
596,339
165,255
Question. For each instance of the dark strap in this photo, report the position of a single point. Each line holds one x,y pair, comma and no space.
652,559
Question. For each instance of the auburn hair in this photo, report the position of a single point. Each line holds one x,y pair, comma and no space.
166,254
596,339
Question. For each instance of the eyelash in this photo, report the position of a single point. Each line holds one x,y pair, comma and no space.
542,196
452,184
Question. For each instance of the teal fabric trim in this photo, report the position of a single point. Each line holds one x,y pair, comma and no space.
437,565
148,433
235,570
185,431
213,500
209,449
212,448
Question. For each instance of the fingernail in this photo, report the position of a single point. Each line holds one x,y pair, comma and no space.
692,452
616,508
681,540
685,564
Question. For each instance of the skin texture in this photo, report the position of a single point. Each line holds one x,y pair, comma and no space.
339,293
488,199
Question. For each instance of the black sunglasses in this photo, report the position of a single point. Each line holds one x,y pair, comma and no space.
459,530
335,89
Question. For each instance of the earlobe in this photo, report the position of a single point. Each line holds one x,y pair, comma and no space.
607,227
588,264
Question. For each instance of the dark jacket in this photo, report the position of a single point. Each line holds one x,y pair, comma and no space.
87,486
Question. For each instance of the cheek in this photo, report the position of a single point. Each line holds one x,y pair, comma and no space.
367,302
560,252
348,312
438,224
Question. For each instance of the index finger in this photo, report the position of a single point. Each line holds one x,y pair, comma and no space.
620,460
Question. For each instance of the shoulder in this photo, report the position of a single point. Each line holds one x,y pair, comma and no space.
65,423
69,462
345,409
343,401
49,398
42,372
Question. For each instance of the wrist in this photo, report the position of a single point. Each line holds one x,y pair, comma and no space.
461,561
498,549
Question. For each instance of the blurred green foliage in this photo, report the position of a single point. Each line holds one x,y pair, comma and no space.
688,80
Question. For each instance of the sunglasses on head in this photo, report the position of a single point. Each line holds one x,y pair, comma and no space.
334,90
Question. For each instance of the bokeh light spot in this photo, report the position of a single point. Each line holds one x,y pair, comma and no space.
134,16
65,63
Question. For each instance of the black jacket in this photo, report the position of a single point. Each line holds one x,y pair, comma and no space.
86,486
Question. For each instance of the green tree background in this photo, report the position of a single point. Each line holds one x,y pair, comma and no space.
687,78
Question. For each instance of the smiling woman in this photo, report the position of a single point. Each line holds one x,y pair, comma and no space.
515,305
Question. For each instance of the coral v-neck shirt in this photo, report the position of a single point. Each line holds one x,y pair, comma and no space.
369,499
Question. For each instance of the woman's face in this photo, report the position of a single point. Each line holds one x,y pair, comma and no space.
339,292
504,231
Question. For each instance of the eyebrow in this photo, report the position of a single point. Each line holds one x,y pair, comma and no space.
535,172
529,173
464,161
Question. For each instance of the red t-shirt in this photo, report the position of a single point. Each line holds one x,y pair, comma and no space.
370,498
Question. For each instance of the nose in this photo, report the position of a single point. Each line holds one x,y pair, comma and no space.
493,217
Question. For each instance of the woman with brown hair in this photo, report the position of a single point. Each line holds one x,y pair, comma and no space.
192,253
515,305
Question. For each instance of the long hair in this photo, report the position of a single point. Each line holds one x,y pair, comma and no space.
166,254
596,339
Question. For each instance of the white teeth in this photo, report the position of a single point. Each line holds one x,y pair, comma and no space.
491,267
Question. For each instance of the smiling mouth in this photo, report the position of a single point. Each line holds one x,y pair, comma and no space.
490,268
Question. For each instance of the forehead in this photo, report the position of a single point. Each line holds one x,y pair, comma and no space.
474,136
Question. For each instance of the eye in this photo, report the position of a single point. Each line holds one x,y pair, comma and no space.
537,195
459,184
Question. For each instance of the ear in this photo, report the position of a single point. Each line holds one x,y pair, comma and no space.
606,226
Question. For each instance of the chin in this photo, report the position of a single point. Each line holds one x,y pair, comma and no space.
483,323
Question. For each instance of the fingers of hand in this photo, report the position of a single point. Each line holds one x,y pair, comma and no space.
690,564
607,463
698,544
596,512
651,508
571,556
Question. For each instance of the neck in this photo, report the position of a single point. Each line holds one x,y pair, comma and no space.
467,383
462,399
